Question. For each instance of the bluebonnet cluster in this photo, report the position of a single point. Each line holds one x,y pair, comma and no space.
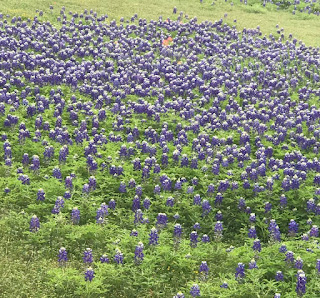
224,126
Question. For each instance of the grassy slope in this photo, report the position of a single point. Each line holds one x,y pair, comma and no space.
304,27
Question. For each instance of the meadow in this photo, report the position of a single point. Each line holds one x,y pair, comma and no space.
159,149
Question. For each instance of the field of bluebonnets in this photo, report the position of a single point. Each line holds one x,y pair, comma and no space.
157,158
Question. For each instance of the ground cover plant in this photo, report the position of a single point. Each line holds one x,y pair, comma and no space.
161,158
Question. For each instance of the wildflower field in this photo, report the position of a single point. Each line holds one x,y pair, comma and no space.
160,149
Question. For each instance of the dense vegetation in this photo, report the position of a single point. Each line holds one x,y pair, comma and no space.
144,158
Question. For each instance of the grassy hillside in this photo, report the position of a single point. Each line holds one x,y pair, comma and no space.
303,26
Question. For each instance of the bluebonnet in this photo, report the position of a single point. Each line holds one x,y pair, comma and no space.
293,227
153,237
279,276
162,220
89,274
75,215
104,259
193,239
256,245
253,264
205,238
298,264
138,253
118,257
87,256
63,255
240,274
218,229
195,290
34,224
301,283
41,195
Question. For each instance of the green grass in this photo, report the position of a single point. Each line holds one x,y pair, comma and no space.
303,26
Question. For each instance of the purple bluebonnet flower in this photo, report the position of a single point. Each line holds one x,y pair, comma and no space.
146,203
195,290
138,217
170,202
62,256
112,204
283,248
56,173
177,231
252,217
139,190
34,224
301,283
153,237
218,228
279,276
179,295
274,231
218,200
252,232
41,195
205,238
318,265
193,239
210,189
162,220
135,203
134,233
190,189
157,189
86,188
197,199
204,269
87,256
138,253
293,227
253,264
75,216
256,245
289,257
67,195
240,274
311,205
104,259
267,207
206,207
298,263
242,204
197,226
283,201
89,274
68,182
305,237
122,187
118,257
314,231
277,295
224,285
